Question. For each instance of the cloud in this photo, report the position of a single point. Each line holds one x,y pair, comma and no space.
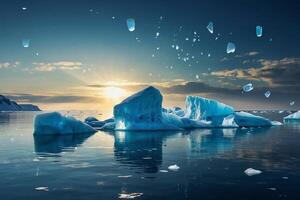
284,72
61,65
9,64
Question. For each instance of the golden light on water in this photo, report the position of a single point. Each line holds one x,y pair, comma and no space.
114,93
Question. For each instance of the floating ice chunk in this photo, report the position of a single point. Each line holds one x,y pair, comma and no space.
210,27
267,94
276,123
230,47
272,188
293,117
130,24
244,119
199,108
197,76
292,103
285,177
156,35
24,8
163,171
258,31
141,111
229,122
26,43
252,172
55,123
174,167
177,47
45,189
248,87
129,195
125,176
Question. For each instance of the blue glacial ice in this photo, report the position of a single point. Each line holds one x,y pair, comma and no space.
26,43
258,31
244,119
141,111
130,24
292,117
210,27
209,110
56,123
248,87
230,47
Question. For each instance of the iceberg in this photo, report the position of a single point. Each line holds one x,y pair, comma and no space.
203,109
252,172
141,111
55,123
244,119
292,117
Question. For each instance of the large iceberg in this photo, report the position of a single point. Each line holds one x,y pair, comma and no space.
244,119
293,117
203,109
141,111
55,123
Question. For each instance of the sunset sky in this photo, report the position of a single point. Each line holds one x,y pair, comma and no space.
81,54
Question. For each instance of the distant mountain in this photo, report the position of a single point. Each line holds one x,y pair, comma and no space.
8,105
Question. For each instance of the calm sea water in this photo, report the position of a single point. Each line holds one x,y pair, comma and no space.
104,165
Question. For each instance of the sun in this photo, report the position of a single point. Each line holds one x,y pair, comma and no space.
114,93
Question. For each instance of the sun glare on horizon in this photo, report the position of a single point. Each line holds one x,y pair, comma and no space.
114,93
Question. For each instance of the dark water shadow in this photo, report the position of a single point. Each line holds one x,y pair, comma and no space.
55,144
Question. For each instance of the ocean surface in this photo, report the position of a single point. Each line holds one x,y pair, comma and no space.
113,165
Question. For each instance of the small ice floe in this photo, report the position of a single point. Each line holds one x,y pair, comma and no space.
230,47
44,189
177,47
248,87
252,172
163,171
26,43
36,160
272,188
125,176
258,31
210,27
267,94
174,167
147,158
156,35
24,8
130,195
130,24
285,177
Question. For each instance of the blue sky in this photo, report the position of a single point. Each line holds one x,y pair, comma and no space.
79,48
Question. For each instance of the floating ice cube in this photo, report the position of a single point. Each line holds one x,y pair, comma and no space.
157,34
26,43
174,167
130,24
210,27
267,94
248,87
252,172
45,189
230,47
129,195
258,31
292,103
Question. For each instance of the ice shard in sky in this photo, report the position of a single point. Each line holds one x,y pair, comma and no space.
248,87
210,27
258,31
26,43
230,47
130,24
